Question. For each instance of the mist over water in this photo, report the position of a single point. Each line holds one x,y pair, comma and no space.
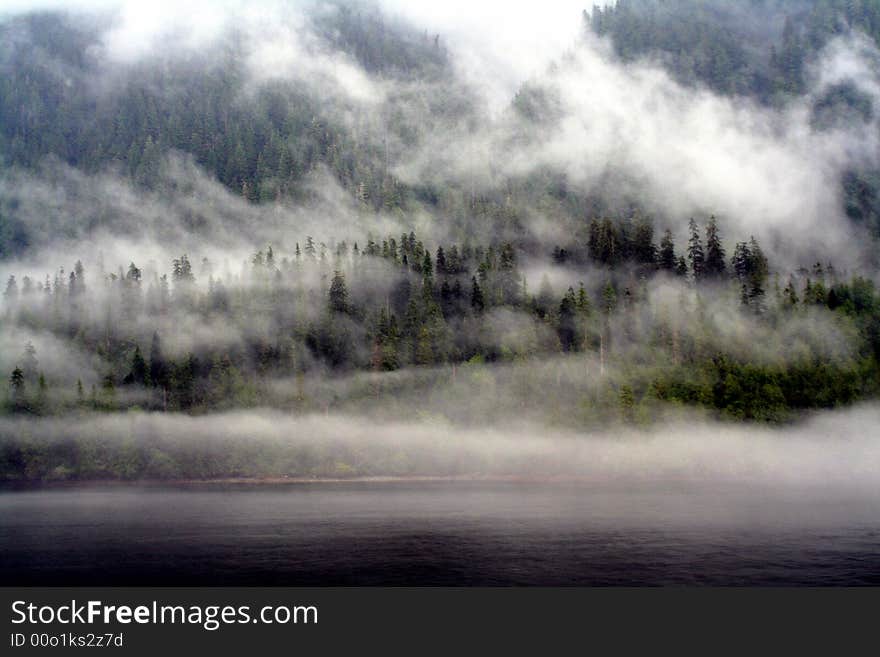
833,451
694,503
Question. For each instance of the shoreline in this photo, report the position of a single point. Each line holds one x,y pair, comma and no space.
293,481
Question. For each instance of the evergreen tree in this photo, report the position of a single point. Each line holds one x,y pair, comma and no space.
741,261
643,249
442,266
11,292
134,274
568,327
338,296
667,259
681,268
714,264
182,270
270,259
478,302
583,301
427,274
139,373
18,389
758,272
695,252
609,298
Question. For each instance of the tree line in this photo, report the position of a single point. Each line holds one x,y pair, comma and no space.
393,303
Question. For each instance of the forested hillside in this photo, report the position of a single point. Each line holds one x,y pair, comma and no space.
690,325
325,211
765,49
261,135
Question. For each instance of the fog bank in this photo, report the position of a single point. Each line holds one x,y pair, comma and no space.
832,451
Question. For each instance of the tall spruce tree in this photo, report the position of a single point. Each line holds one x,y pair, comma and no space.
715,265
667,260
338,295
696,256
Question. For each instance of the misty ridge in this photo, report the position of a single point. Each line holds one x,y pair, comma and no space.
651,214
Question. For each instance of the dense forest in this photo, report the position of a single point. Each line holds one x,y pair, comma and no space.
393,303
199,230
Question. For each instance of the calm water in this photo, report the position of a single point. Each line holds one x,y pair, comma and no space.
436,534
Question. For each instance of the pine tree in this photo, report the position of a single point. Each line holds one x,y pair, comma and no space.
741,261
609,298
18,390
17,380
453,261
181,270
667,259
139,373
134,274
567,327
478,302
442,266
11,292
714,265
758,272
643,249
681,268
695,252
270,259
424,354
583,301
338,296
427,273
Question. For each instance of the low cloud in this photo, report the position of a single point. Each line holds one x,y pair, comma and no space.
833,452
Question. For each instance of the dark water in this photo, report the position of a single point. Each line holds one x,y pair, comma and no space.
437,534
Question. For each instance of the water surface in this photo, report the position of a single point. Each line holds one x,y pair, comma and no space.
449,533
